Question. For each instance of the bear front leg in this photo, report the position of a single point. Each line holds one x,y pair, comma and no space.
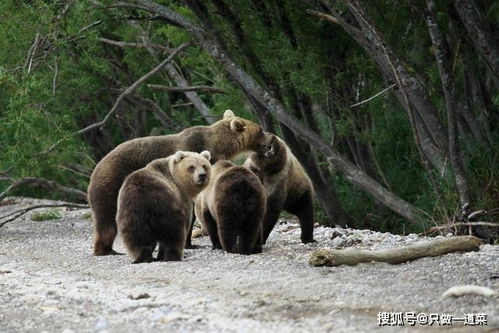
188,240
274,207
304,210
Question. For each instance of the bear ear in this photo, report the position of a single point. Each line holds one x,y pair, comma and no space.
206,154
237,125
229,114
178,156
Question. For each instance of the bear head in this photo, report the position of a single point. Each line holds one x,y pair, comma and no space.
191,170
246,133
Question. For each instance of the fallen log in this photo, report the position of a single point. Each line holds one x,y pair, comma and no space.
432,248
458,291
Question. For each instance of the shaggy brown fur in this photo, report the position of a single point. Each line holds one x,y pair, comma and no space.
155,205
224,139
287,185
231,209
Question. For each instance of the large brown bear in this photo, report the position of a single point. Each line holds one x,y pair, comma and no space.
287,185
231,209
224,139
155,205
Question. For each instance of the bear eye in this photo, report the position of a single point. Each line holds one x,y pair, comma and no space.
205,167
191,168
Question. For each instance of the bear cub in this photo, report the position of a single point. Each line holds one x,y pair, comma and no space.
287,185
155,205
231,209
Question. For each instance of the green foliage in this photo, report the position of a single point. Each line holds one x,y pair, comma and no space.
46,215
315,67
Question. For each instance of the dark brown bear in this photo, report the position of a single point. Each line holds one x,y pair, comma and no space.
231,209
155,205
287,186
224,139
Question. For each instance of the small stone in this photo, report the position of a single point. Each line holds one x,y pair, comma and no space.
335,234
260,302
139,296
101,324
30,299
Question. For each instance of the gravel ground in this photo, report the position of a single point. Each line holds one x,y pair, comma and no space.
49,281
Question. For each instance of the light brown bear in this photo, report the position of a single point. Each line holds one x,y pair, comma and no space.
224,139
155,205
231,209
287,186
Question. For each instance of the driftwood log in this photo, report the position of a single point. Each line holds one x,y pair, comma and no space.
432,248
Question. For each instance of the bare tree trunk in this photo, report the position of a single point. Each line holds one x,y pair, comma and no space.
181,82
326,191
485,42
353,174
326,194
442,58
411,89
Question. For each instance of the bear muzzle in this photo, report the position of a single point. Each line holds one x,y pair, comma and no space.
202,178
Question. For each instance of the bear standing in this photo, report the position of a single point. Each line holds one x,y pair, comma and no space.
155,205
287,185
231,209
224,139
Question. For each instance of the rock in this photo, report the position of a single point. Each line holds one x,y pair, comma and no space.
139,296
30,299
101,324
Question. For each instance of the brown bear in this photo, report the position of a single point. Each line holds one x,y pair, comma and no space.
231,209
287,186
155,205
224,139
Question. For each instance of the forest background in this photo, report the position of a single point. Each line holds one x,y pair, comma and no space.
391,106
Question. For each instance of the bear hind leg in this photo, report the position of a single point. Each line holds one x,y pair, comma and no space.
104,235
228,238
211,228
170,252
250,237
143,255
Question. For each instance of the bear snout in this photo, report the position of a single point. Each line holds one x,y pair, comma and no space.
202,177
269,151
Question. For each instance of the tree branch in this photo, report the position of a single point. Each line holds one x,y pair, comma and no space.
202,88
351,172
21,212
374,96
176,76
432,248
161,115
442,59
43,183
132,88
135,44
